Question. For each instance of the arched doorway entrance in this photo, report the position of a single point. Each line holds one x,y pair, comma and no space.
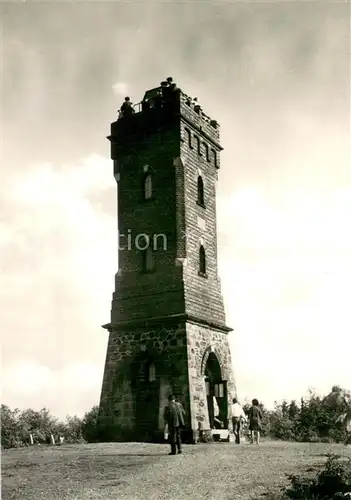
147,399
216,391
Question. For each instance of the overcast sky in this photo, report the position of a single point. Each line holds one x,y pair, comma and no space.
277,79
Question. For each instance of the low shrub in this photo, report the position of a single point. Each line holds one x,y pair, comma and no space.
332,483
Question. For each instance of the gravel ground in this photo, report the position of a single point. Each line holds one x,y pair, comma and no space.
135,471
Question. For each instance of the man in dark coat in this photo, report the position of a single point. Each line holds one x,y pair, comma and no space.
174,418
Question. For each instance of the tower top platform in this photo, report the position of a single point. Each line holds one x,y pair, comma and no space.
162,107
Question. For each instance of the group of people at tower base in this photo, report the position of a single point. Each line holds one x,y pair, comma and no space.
174,418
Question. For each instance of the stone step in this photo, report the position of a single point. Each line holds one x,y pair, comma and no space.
225,435
220,434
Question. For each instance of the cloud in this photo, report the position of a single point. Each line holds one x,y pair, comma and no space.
59,255
47,185
37,385
293,221
286,276
26,378
56,202
120,88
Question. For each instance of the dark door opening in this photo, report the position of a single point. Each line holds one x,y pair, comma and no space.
216,390
147,402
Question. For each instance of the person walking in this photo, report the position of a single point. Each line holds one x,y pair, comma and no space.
174,419
255,418
238,415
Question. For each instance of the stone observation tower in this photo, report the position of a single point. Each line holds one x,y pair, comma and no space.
167,332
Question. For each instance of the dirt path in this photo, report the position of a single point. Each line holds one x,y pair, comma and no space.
139,472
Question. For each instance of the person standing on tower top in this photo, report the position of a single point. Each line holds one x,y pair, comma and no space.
197,107
126,108
171,84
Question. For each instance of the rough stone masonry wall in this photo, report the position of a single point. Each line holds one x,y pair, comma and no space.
167,346
200,341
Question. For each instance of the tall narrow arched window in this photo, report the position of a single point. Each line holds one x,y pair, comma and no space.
200,191
202,260
147,186
147,260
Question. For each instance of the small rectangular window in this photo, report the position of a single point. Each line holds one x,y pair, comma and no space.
147,187
188,136
207,152
219,391
152,372
198,144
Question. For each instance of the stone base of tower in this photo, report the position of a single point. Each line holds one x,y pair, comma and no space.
146,363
